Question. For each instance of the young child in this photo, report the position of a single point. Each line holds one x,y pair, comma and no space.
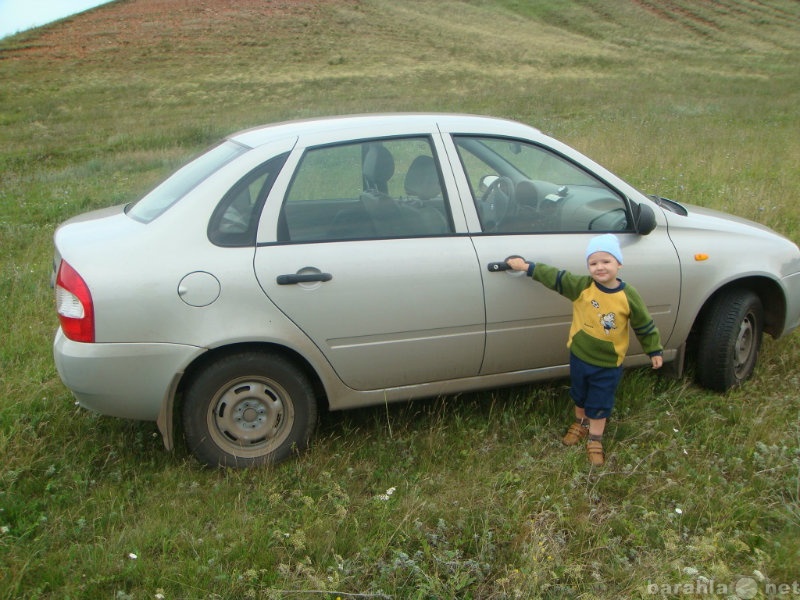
602,307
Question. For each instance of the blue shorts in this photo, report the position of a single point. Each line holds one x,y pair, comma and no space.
593,388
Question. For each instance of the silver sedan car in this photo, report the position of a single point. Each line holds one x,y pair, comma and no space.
353,261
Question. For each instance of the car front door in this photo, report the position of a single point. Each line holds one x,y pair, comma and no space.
365,262
533,202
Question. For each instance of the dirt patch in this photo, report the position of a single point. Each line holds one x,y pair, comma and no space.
142,23
676,13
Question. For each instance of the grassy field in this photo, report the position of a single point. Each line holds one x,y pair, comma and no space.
458,497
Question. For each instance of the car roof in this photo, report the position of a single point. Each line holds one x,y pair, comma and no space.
412,122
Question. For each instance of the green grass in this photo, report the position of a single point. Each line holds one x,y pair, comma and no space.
693,100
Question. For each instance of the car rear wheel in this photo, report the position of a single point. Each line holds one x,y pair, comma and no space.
730,339
248,409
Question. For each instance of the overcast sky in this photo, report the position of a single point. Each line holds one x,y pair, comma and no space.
19,15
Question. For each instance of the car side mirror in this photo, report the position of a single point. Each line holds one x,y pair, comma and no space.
644,218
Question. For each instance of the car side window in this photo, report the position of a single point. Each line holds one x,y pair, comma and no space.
519,187
235,220
366,190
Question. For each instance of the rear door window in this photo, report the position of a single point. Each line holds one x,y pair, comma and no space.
365,190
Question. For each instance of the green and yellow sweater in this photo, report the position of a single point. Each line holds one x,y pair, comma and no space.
600,316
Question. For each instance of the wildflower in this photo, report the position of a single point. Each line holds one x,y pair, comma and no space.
388,494
679,511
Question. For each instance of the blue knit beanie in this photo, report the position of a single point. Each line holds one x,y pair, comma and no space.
605,243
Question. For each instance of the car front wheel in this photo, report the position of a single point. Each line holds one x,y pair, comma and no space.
730,339
248,409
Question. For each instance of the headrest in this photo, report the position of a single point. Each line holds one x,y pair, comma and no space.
378,165
422,180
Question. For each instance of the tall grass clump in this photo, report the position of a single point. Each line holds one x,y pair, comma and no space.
470,496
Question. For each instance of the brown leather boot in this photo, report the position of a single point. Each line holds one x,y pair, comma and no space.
594,449
576,433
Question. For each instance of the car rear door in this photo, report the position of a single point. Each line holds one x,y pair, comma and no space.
357,248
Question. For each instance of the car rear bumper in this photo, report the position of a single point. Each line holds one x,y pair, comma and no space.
121,380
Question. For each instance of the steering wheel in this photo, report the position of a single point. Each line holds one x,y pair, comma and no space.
498,203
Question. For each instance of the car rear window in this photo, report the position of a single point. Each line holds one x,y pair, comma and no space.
184,180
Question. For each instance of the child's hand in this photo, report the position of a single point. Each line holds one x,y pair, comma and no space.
517,263
657,361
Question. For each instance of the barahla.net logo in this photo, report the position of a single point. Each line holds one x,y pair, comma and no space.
743,588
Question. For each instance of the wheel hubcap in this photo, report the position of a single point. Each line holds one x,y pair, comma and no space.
251,414
744,348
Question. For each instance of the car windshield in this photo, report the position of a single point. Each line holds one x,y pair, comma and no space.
184,180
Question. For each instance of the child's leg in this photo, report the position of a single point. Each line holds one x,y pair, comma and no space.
599,403
594,446
597,427
578,430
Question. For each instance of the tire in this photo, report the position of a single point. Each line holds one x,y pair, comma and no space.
730,340
248,409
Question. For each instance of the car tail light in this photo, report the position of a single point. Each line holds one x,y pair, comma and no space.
74,304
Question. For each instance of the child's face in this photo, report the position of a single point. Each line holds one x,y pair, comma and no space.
603,268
